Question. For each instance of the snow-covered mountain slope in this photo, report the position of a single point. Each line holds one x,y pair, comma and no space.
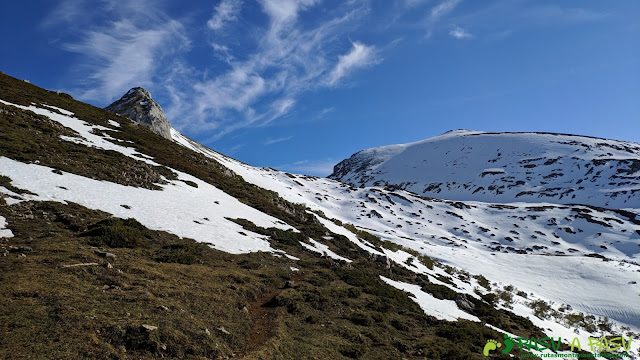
504,167
519,244
576,259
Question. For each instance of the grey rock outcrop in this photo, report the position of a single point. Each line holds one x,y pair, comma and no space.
464,303
138,106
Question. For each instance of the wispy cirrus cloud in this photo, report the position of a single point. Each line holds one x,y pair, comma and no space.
277,140
123,52
288,59
442,9
324,112
127,54
226,11
66,11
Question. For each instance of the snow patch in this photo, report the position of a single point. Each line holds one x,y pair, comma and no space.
322,249
440,309
4,232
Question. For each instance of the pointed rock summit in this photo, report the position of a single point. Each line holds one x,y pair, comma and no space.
138,106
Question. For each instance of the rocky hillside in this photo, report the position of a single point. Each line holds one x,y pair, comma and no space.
120,243
504,167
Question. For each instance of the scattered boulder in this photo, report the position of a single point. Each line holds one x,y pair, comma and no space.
464,303
149,327
104,254
19,249
223,330
383,259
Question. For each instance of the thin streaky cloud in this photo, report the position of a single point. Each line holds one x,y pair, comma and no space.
126,55
125,51
66,12
278,140
288,61
324,112
443,9
235,148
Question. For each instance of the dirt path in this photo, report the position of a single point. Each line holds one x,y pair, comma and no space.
263,311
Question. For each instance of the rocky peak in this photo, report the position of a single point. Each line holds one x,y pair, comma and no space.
138,106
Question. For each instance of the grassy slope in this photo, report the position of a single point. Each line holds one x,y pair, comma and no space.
333,310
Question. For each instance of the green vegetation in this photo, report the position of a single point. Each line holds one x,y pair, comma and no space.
117,233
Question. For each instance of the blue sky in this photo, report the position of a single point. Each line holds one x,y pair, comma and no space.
301,85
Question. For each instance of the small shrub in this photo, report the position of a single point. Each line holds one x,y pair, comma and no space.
118,233
399,325
190,183
353,351
187,253
354,292
360,318
540,308
482,281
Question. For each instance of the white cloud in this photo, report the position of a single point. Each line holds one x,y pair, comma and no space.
284,11
66,11
262,86
235,90
442,9
459,33
125,55
360,56
219,47
281,107
277,140
258,74
127,50
324,112
226,11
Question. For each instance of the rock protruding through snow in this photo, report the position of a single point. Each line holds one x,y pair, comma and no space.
138,106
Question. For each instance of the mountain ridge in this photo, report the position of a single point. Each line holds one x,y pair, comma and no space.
504,167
